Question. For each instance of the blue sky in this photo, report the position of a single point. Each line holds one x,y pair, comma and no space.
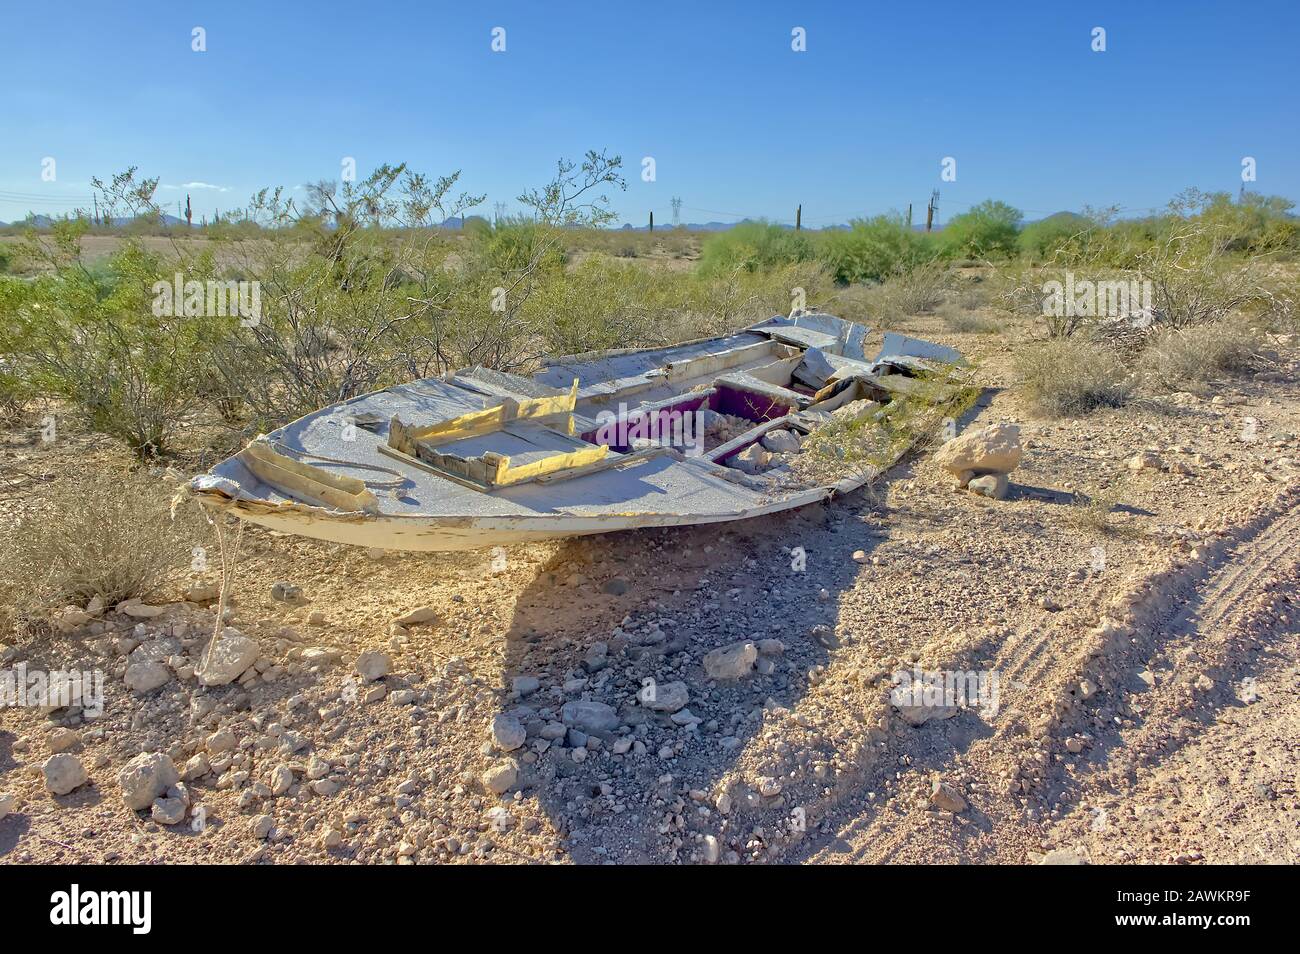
738,123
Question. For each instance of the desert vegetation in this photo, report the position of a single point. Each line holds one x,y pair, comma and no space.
360,287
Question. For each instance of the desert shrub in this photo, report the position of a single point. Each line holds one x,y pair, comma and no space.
104,535
1178,358
873,250
754,246
1068,376
1254,224
919,290
716,304
1194,280
1045,238
600,303
511,244
1090,509
966,321
96,342
987,231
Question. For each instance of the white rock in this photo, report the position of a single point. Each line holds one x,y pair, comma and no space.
992,449
169,811
63,773
8,802
508,732
993,486
226,661
281,780
223,740
197,767
589,716
731,662
139,610
525,685
782,442
752,460
143,677
145,778
1147,460
664,697
261,826
712,849
500,778
373,665
424,614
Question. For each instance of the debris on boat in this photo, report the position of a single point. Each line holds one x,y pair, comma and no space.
779,415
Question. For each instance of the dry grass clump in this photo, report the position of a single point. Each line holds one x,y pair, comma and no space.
1068,376
966,321
1090,510
111,537
1184,357
913,291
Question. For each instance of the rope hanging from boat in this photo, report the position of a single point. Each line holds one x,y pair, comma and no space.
228,561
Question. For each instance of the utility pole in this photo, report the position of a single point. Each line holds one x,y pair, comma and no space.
96,201
909,216
798,217
652,221
677,211
931,209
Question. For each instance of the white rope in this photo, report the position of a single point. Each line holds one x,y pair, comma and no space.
228,562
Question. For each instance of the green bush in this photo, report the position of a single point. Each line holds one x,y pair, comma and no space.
511,244
754,246
988,230
96,342
872,250
1044,239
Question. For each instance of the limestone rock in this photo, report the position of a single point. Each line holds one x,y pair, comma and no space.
994,449
946,798
589,716
144,677
63,773
373,665
226,661
500,778
146,777
993,486
508,732
782,442
664,697
731,662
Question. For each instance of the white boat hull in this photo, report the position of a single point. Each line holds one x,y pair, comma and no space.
449,534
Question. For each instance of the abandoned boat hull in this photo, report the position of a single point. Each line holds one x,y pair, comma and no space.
427,534
482,458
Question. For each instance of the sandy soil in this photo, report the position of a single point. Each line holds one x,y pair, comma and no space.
1147,674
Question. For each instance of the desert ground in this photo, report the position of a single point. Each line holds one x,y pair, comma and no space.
1147,666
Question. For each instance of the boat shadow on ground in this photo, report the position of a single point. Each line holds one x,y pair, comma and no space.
659,600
